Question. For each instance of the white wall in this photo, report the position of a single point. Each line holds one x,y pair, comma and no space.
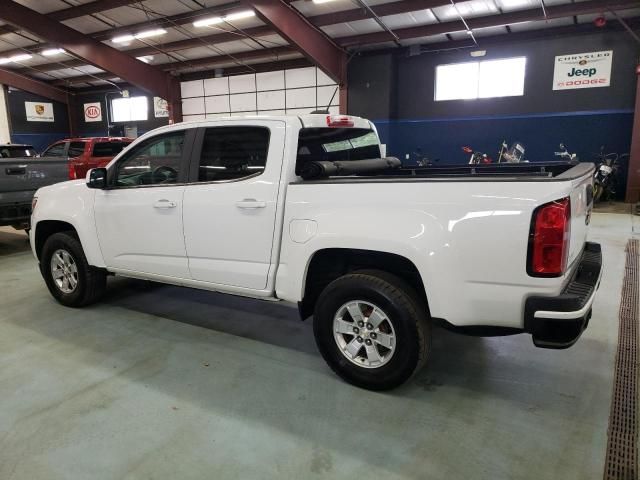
5,136
299,90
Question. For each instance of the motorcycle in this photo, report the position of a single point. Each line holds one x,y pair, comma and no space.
605,178
512,154
565,155
477,158
506,154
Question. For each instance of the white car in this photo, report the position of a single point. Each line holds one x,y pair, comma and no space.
292,208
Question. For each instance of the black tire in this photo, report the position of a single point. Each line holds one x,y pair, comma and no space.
405,311
91,281
597,192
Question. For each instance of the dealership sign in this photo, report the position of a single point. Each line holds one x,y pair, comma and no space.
160,107
93,112
582,70
39,111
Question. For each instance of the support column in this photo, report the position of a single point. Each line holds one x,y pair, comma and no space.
633,174
5,133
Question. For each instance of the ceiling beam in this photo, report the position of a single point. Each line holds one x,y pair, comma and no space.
30,85
77,11
267,54
351,15
529,15
144,76
312,42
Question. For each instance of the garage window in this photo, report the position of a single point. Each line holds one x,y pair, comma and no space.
129,109
486,79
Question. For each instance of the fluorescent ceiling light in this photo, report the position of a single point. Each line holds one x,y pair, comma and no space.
145,58
20,58
52,51
205,22
150,33
208,21
138,36
123,39
15,58
239,15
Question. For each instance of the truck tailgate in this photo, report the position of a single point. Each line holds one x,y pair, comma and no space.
28,174
581,198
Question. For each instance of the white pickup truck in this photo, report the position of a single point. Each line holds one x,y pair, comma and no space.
303,209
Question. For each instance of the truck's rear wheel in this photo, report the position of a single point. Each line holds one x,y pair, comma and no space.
372,329
70,279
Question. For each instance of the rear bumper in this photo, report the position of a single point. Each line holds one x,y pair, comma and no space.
558,322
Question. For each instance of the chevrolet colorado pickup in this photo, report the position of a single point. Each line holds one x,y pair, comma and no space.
21,174
298,209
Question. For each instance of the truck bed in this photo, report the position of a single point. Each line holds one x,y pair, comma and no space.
516,172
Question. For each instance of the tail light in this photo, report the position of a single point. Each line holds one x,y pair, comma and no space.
72,171
549,239
339,121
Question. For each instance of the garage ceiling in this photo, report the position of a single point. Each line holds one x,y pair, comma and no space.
248,44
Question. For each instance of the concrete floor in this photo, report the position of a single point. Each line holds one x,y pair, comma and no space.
163,382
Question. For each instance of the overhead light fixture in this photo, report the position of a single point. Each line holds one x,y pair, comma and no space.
123,39
239,15
478,53
139,36
15,58
145,58
50,52
150,33
206,22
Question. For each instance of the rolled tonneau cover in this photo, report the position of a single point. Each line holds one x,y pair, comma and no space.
323,169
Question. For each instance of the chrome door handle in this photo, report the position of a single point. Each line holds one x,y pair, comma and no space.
164,203
251,203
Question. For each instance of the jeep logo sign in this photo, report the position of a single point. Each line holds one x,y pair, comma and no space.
582,70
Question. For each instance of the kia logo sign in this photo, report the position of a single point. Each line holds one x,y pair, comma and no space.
92,112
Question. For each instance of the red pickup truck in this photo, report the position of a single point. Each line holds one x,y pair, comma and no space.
86,153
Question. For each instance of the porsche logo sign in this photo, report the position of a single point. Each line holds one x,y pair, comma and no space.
39,111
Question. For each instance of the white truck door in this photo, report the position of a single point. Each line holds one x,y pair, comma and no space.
139,218
231,201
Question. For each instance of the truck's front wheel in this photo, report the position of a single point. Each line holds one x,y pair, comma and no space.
372,329
70,279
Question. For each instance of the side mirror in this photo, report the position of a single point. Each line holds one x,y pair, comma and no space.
97,178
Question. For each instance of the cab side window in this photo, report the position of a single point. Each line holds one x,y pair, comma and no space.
157,161
56,150
232,153
76,149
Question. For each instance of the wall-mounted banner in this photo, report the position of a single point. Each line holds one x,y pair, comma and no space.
39,111
93,112
582,70
160,107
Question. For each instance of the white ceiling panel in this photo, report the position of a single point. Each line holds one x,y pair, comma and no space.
86,24
173,7
45,6
11,41
511,5
404,20
473,8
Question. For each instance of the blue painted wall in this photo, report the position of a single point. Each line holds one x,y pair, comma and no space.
396,89
583,133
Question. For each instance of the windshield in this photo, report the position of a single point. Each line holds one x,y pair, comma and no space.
16,151
332,144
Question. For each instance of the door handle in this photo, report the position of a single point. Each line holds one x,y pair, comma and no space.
251,203
164,203
19,170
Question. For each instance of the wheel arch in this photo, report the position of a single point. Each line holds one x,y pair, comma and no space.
45,228
328,264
